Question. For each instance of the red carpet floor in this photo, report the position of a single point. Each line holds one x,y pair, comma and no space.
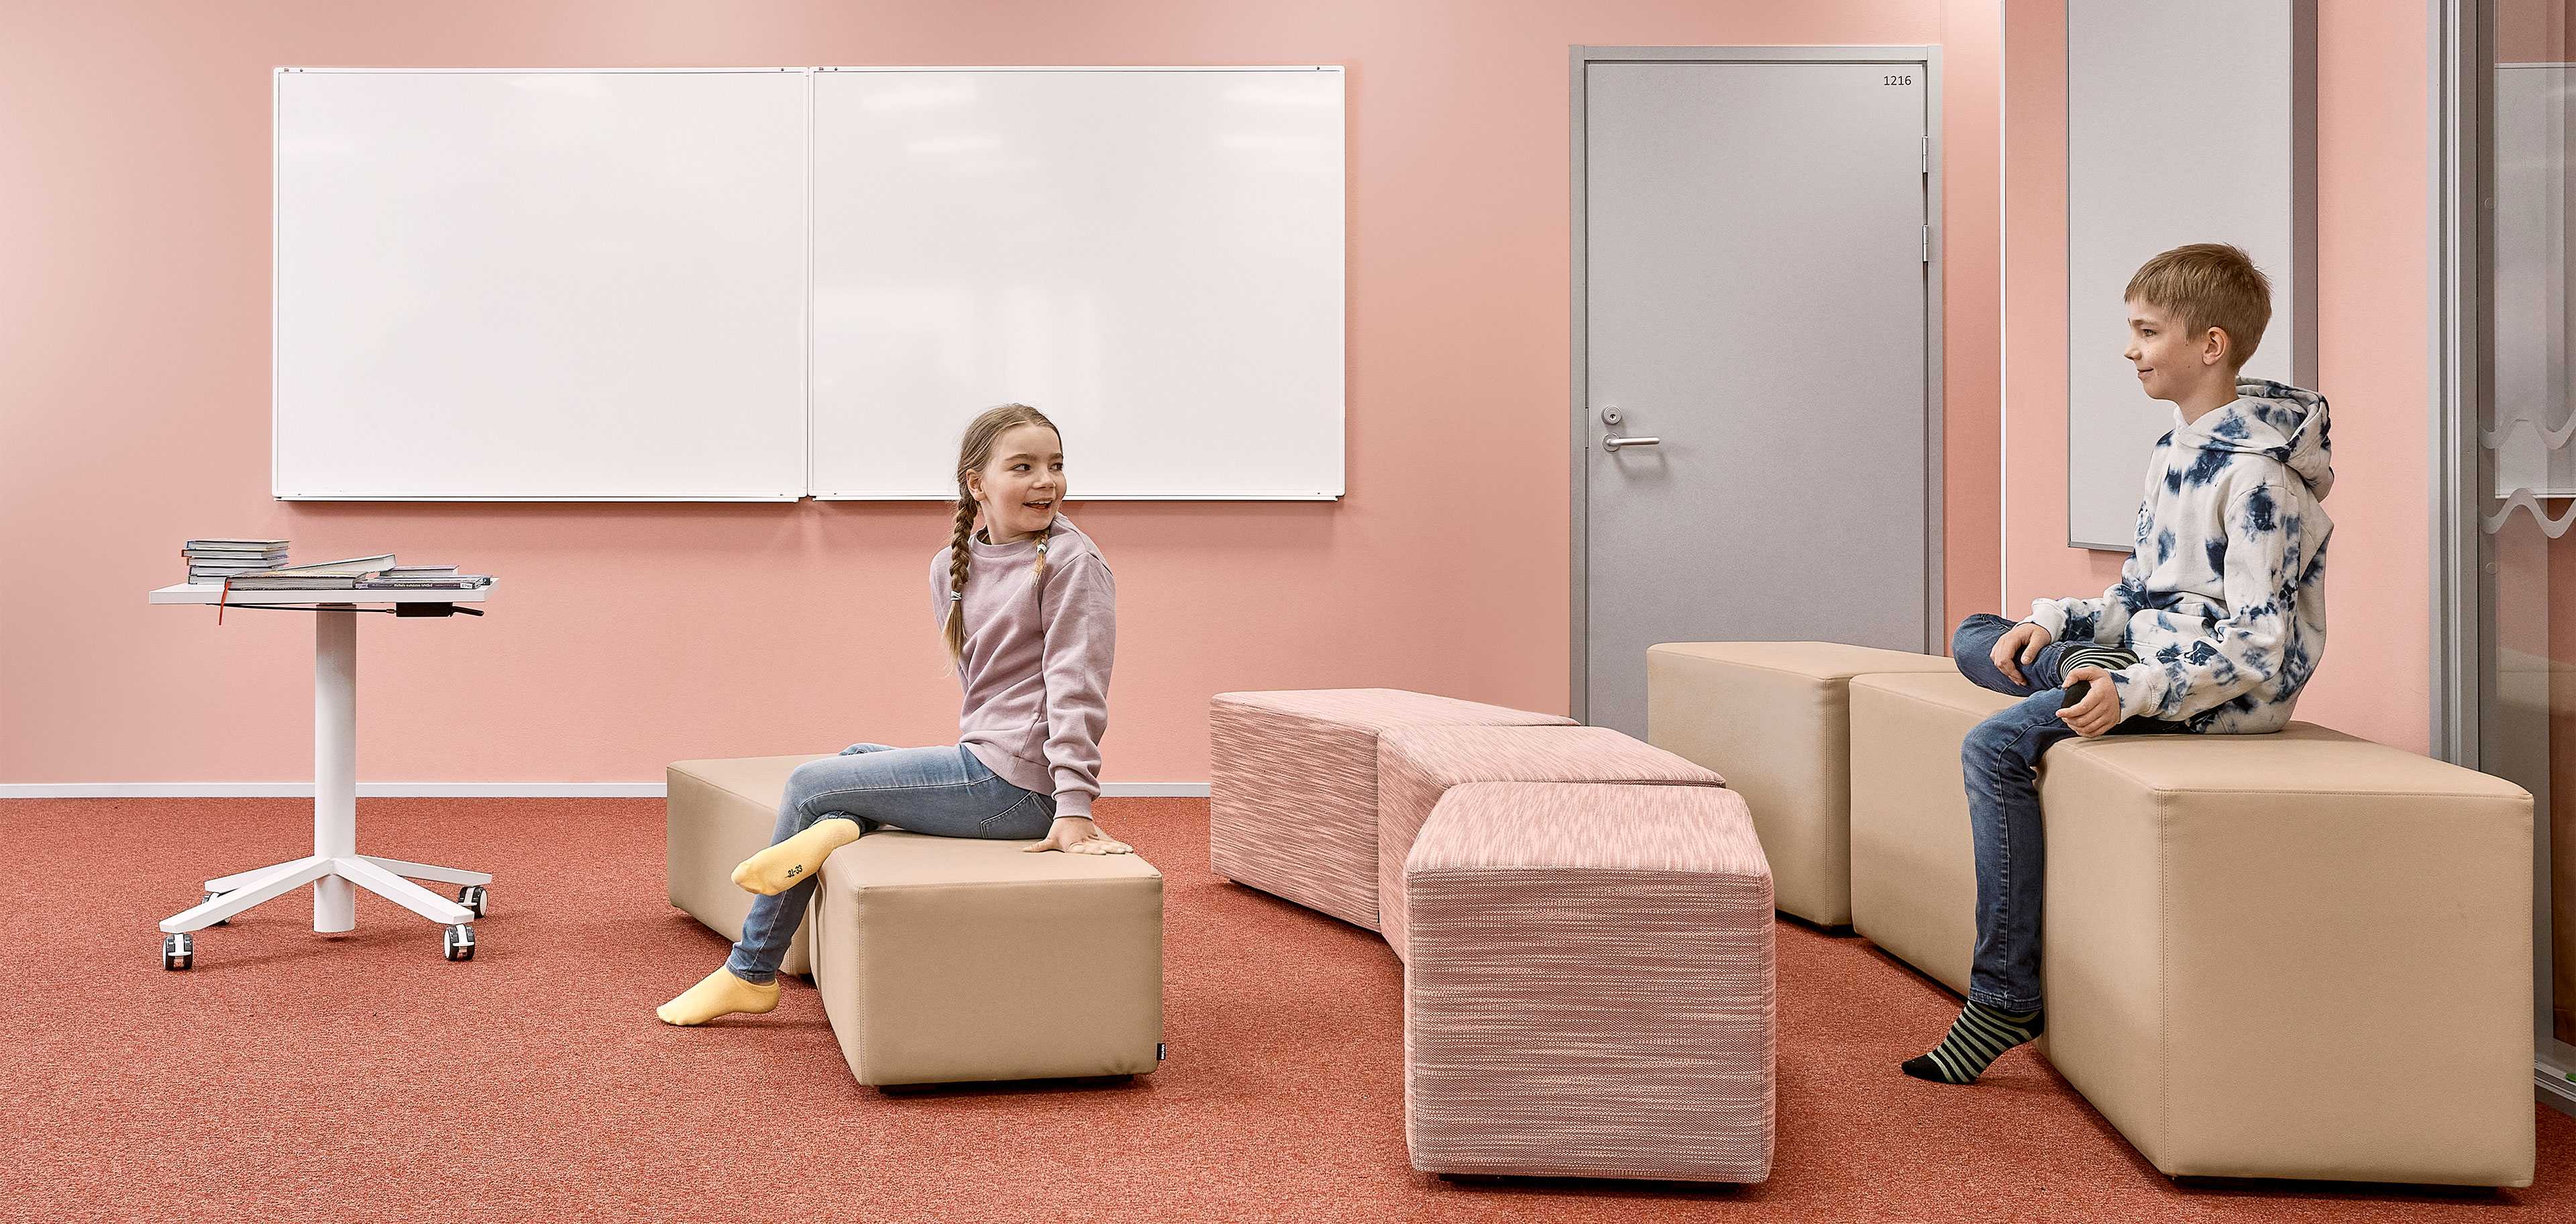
295,1076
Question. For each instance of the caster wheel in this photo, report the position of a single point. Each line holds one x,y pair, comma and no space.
471,897
221,921
178,951
460,942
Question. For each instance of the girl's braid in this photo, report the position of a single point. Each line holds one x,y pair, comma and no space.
958,557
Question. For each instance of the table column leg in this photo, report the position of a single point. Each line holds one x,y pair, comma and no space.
335,761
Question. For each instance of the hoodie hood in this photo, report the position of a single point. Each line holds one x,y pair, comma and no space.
2271,419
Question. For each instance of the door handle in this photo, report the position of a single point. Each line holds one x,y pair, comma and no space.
1612,442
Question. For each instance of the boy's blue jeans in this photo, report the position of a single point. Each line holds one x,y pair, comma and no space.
940,791
1999,760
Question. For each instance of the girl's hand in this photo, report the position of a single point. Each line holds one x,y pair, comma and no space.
1077,835
2099,710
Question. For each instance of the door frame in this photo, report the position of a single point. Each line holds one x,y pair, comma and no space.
1927,60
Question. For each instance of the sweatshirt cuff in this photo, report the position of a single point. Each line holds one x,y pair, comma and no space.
1073,803
2131,683
2047,614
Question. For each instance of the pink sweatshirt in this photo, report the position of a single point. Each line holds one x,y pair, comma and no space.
1036,670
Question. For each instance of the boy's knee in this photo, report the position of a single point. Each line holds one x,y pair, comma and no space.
1974,637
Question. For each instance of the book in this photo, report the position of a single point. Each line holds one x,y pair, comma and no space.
257,545
298,582
348,567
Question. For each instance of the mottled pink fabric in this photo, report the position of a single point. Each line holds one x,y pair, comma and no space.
1416,764
1591,988
1292,787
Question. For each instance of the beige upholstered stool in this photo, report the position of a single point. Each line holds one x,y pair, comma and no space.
1774,717
1590,989
1415,765
1292,787
720,812
1913,868
2292,955
948,959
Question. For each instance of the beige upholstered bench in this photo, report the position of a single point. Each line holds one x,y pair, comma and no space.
941,959
1590,990
718,813
1773,717
1292,787
2293,955
949,959
1416,765
1913,873
2297,955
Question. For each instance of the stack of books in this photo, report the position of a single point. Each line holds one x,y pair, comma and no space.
216,560
359,573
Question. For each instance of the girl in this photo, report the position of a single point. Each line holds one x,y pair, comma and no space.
1027,607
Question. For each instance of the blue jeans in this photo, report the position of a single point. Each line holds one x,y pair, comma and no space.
1999,760
941,791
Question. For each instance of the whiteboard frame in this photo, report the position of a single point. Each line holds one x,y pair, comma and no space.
1341,299
808,72
276,170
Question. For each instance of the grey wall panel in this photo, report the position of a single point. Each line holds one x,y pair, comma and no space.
2186,121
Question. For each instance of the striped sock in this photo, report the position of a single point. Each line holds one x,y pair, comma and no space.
1977,1038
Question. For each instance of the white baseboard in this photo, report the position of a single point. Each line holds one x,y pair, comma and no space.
444,790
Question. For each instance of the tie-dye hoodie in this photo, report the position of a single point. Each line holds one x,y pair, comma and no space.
2223,600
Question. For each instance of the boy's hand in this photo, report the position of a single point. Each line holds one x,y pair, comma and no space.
2099,711
2020,644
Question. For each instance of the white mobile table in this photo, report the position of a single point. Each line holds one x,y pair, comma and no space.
335,869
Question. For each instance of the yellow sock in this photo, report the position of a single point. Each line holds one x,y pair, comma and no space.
792,862
721,994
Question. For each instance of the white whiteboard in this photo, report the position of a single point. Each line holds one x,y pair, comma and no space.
540,285
2186,121
1150,256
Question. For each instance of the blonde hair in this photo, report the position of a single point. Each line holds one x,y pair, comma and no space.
973,451
2210,284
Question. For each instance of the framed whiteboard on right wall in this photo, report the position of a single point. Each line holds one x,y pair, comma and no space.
2186,121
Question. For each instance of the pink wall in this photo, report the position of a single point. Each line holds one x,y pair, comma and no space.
134,222
2373,254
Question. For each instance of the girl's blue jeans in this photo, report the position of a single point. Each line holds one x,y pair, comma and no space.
941,791
1999,761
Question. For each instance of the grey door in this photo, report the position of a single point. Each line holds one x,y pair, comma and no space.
1754,277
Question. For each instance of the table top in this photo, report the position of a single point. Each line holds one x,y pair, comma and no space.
208,592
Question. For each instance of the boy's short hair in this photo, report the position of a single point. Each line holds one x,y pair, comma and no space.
2209,284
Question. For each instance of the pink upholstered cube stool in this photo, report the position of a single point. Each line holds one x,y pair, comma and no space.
1590,987
1415,765
1292,787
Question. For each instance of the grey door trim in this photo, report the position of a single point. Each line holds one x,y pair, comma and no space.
1928,61
2459,375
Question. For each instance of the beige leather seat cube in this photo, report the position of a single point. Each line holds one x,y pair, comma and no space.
2293,955
950,959
1774,718
1292,787
720,812
1913,872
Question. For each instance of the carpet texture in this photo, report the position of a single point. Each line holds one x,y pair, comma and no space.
298,1076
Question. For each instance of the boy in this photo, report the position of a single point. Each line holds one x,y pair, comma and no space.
2218,617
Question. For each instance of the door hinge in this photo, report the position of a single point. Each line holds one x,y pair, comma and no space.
1927,244
1927,155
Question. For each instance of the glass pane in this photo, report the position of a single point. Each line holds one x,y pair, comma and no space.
2527,417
